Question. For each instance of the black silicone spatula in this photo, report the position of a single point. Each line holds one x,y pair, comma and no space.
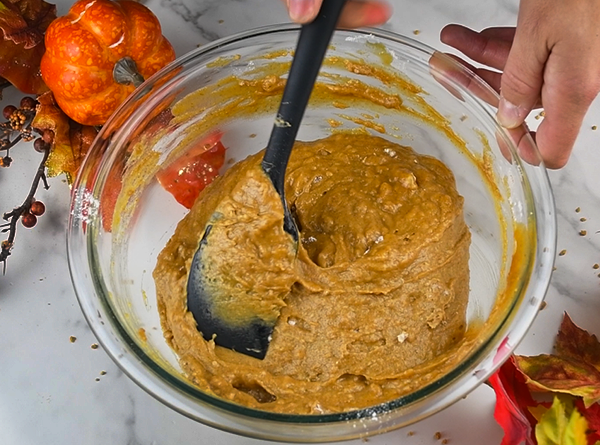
253,337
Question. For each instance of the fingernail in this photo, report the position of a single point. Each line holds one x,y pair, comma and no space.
300,10
510,115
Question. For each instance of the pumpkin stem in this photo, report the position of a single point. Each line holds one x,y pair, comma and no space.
126,72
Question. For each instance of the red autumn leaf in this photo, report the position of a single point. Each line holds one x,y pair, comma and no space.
577,344
592,415
71,140
573,370
513,401
23,23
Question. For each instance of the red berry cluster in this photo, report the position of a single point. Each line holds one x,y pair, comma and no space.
29,218
17,127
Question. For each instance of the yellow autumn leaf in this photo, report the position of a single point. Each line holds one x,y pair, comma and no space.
71,140
561,424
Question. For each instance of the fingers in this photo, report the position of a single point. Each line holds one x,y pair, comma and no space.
356,13
505,33
524,69
570,88
492,78
448,71
490,47
303,11
524,142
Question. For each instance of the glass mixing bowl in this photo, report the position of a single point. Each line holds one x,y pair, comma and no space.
440,109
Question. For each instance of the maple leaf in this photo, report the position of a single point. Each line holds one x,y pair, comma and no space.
573,369
513,404
571,375
576,343
71,140
561,424
23,23
557,374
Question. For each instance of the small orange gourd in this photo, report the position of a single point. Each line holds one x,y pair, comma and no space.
84,47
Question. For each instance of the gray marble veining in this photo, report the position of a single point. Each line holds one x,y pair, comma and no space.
53,391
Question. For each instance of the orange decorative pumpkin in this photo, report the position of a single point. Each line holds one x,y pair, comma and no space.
84,47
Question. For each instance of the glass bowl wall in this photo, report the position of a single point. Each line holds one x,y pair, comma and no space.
508,208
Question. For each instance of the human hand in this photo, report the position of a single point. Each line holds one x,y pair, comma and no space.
551,59
356,13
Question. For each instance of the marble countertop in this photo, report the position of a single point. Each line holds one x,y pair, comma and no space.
58,387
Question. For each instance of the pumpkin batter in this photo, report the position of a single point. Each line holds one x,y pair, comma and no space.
377,289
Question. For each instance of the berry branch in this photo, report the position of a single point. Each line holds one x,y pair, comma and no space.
4,84
18,128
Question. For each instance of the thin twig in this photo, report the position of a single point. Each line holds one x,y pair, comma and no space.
10,144
13,216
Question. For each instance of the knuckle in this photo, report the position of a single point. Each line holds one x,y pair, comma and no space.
557,162
581,92
517,83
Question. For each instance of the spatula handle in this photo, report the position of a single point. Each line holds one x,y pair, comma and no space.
310,50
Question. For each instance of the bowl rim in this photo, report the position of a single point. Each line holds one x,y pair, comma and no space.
163,386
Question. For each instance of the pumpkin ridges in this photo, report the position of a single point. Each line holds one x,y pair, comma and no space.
108,48
105,21
145,36
68,77
78,9
74,82
83,47
98,107
156,61
78,44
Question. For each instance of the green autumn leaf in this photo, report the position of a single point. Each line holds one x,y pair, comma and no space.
561,424
557,374
577,344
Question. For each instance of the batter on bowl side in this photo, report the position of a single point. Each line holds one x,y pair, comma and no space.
369,306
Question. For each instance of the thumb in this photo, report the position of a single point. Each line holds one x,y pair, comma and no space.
303,11
522,79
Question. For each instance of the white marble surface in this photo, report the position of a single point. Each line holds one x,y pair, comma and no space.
52,390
